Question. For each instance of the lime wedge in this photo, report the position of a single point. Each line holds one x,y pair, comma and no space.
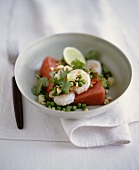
70,54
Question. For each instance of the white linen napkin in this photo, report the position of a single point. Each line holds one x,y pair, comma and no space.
108,128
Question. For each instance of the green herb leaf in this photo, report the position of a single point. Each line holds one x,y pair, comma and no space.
62,81
41,82
63,62
45,82
105,72
37,88
92,55
66,87
47,97
77,64
104,82
52,73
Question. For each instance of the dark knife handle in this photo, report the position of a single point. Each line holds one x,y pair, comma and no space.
18,107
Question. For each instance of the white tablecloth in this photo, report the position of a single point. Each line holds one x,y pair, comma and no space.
115,21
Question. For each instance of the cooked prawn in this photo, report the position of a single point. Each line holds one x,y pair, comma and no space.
94,65
73,75
64,99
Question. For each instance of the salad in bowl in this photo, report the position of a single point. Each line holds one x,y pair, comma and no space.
74,82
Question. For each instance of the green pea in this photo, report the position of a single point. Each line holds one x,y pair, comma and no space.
71,84
68,109
49,106
91,85
83,81
86,70
63,109
79,105
74,108
48,103
83,105
80,76
91,76
53,108
52,104
80,84
58,107
84,108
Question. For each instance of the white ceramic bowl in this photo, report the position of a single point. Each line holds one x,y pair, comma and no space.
31,59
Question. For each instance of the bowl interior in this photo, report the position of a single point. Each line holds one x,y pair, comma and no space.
31,58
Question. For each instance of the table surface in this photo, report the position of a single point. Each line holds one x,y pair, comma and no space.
116,21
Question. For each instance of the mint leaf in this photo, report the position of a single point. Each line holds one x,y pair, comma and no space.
41,82
77,64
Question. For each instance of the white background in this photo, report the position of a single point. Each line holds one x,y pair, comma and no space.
116,21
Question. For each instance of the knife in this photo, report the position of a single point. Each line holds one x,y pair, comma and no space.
17,102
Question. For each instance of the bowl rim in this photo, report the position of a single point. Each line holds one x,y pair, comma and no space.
78,113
